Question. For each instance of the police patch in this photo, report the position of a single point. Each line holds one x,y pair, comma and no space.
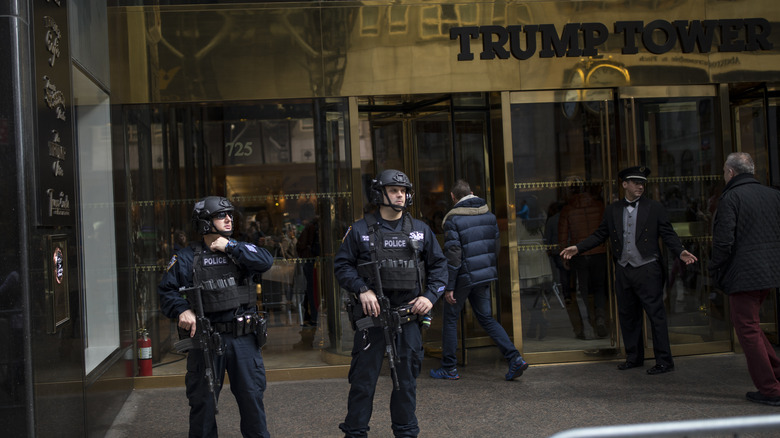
215,260
173,261
394,242
251,247
416,235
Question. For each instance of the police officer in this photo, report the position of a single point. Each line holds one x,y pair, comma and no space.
223,268
404,247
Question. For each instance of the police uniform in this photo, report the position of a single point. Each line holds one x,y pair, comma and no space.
399,243
227,291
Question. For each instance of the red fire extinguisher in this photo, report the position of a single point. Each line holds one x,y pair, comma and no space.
144,354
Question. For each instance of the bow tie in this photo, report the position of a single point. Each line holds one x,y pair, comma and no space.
631,204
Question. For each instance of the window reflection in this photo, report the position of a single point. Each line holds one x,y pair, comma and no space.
565,145
290,197
677,139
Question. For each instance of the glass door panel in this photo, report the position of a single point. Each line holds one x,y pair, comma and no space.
433,144
388,138
755,125
673,131
433,158
562,145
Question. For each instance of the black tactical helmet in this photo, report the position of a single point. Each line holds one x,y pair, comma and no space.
204,211
390,177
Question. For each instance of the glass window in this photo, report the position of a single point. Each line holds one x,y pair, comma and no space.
284,167
96,202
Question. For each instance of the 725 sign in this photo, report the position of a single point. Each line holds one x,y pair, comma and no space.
238,149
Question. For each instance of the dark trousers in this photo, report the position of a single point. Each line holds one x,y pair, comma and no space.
479,297
592,280
309,303
368,355
763,364
640,289
243,361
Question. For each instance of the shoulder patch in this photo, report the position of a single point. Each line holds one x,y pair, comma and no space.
251,247
173,261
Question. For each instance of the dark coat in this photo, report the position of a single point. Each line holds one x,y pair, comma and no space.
250,259
746,237
470,244
355,250
652,222
578,219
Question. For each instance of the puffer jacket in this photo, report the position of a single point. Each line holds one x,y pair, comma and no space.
579,218
746,237
471,243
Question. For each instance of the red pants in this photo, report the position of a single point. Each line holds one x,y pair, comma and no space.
763,364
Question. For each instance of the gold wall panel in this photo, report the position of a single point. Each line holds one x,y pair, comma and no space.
297,50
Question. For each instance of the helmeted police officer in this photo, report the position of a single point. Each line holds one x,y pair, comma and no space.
223,268
406,250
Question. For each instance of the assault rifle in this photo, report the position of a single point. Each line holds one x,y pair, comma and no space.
205,339
390,323
387,319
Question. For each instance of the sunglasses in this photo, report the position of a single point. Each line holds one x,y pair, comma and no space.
223,214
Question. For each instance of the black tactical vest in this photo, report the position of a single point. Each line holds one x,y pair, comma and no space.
223,286
396,255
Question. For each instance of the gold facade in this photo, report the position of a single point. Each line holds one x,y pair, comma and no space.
294,50
270,60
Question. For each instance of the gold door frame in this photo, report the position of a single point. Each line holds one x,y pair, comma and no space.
629,97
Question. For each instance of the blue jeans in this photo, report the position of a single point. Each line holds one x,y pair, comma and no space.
479,297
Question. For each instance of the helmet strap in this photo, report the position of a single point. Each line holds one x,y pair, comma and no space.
386,201
214,230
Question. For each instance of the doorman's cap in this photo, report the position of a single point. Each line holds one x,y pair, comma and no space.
636,172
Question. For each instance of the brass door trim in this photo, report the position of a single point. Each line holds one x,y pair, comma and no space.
649,92
558,96
511,223
354,158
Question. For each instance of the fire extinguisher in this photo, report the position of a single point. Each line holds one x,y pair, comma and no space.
144,353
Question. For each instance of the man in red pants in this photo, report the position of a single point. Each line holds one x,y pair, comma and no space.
745,256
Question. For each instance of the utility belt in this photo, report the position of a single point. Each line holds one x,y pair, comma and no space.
249,322
243,324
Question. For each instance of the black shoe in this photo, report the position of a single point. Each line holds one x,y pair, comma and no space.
764,399
628,365
660,369
601,329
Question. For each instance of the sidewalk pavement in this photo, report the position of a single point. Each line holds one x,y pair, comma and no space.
546,400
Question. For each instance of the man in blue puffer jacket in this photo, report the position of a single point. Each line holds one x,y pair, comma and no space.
471,248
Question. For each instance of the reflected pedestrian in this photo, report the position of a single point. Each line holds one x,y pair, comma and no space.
579,218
